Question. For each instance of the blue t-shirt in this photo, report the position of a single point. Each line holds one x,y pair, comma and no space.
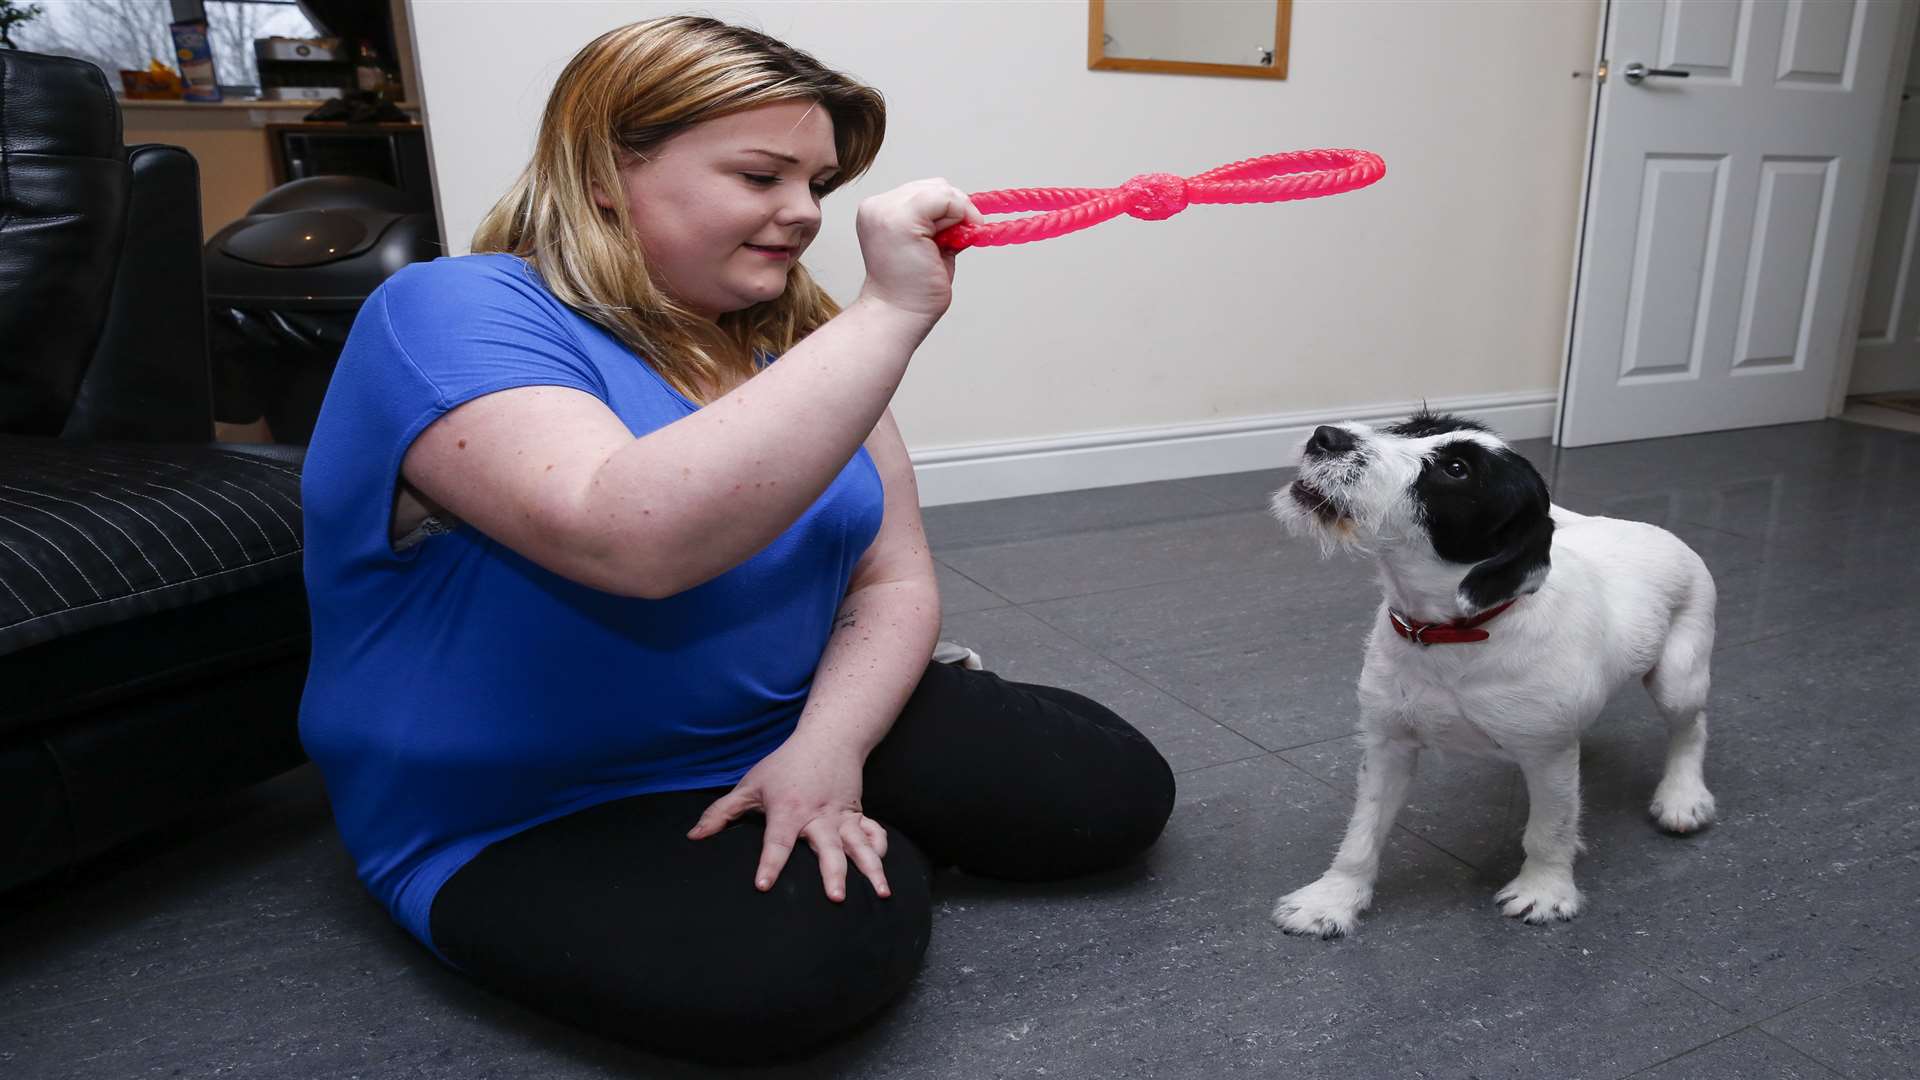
459,693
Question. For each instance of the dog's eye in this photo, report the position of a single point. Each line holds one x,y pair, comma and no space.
1455,468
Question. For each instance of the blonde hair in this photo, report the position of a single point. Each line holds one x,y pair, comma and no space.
625,93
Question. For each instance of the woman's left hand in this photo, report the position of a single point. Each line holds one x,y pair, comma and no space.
812,790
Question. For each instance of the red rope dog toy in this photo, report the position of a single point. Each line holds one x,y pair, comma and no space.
1302,174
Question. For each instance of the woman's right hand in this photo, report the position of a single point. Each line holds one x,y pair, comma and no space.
905,268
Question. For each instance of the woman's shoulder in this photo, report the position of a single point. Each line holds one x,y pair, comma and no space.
453,277
470,293
468,323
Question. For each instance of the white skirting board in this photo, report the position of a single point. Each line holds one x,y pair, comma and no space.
958,474
1882,372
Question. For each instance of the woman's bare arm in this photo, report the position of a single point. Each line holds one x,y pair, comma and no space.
553,474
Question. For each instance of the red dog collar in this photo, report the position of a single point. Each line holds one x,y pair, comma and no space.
1447,633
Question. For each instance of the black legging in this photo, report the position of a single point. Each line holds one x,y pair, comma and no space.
611,919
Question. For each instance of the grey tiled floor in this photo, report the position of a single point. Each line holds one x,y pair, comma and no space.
1783,942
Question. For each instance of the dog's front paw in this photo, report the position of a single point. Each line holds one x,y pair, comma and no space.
1682,806
1539,896
1328,908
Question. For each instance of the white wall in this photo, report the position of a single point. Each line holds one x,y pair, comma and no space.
1140,350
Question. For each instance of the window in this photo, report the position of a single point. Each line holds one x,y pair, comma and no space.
234,24
117,34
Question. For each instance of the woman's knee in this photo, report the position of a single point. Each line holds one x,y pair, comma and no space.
1128,808
1151,792
1116,799
1133,766
683,959
816,973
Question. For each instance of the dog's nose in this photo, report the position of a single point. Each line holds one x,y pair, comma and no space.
1328,440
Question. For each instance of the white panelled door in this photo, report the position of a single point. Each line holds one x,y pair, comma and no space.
1888,356
1724,212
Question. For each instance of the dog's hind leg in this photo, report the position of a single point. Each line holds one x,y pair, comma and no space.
1330,906
1545,889
1678,685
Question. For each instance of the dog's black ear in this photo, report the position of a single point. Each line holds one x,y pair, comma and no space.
1519,567
1525,551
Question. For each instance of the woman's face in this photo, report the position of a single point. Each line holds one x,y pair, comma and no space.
724,209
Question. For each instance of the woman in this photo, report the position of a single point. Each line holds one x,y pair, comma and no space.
621,681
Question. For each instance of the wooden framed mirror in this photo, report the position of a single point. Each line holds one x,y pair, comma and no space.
1244,39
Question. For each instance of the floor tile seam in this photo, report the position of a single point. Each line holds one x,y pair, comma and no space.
1721,529
1191,769
1124,660
1280,750
1778,460
1676,1057
1710,1042
1121,588
1880,972
1739,534
1752,538
1226,510
1403,827
1258,747
1780,1012
1302,770
1156,687
964,576
1704,487
1691,521
1831,1070
1317,742
1715,479
1720,648
1724,1010
1398,826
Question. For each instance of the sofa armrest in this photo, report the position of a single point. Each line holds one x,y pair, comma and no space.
63,204
150,380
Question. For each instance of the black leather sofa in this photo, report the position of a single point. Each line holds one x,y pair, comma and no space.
153,624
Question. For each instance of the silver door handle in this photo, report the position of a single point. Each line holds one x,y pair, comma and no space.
1636,71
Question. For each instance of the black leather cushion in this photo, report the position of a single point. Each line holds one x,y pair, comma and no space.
149,380
91,778
96,533
39,826
135,657
64,186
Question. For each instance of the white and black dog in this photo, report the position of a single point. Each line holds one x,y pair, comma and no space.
1507,623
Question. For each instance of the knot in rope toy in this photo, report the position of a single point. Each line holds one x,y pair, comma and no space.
1155,196
1301,174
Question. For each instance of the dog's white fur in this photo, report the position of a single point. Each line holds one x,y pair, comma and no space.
1621,600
